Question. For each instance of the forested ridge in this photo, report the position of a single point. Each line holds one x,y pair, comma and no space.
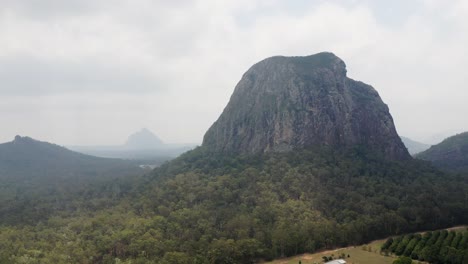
207,207
39,180
451,154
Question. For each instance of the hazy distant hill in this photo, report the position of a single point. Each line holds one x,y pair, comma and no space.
414,146
142,145
451,153
144,139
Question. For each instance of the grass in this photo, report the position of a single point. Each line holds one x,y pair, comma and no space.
366,254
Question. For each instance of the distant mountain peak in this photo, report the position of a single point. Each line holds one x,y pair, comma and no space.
143,139
413,146
27,141
20,138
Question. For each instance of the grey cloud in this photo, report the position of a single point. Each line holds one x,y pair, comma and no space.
45,9
193,52
26,75
50,9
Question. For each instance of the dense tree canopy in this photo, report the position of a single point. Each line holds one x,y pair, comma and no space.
209,208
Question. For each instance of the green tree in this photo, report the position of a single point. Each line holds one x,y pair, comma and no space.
403,260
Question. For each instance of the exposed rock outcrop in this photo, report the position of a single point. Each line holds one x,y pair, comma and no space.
283,103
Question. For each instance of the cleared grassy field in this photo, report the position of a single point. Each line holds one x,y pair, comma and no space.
366,254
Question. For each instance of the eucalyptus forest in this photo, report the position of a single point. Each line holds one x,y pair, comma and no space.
204,207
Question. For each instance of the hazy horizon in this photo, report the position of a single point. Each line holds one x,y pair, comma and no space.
83,72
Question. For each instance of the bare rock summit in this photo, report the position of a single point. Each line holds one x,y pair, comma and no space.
286,103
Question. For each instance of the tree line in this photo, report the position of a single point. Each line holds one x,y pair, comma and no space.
440,247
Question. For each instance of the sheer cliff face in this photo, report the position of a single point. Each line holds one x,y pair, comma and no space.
283,103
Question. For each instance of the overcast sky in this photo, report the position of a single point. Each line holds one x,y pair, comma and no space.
91,72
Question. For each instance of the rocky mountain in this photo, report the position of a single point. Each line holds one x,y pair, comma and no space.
285,103
450,154
413,146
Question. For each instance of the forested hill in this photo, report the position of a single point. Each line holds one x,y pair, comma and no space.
28,158
39,178
204,207
304,200
451,154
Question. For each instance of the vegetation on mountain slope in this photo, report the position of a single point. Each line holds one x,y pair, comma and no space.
39,179
209,208
451,154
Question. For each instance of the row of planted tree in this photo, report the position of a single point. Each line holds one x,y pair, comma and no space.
441,246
